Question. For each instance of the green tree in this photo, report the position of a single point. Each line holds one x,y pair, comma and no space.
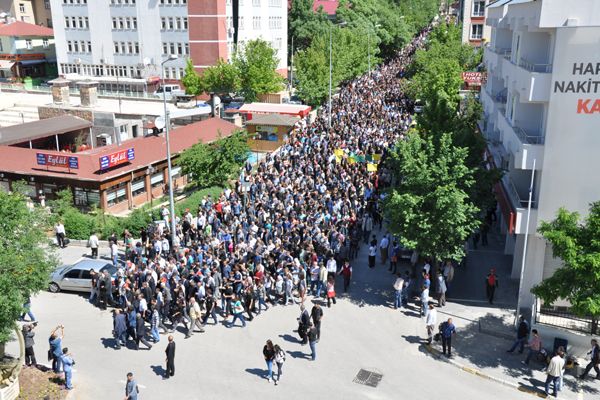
304,24
256,63
223,78
214,163
25,261
312,73
578,246
430,209
192,82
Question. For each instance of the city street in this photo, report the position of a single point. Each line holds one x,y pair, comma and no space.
361,331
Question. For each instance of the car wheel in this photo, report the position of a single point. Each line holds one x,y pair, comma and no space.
54,288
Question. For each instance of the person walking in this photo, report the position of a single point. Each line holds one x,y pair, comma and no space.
491,284
55,342
303,321
594,354
140,333
346,272
114,253
372,253
27,311
59,230
384,243
535,346
447,330
554,371
398,286
279,360
238,312
330,292
394,254
195,317
367,227
441,289
210,304
312,341
67,362
170,358
424,298
522,333
131,388
316,315
120,329
430,322
28,335
269,354
94,242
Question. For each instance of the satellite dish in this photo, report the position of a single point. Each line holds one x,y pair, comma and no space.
159,122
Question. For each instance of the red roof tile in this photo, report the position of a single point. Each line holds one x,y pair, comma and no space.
329,6
19,28
148,150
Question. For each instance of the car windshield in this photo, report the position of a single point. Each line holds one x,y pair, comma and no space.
110,268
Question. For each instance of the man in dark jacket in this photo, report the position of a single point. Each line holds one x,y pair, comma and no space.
140,333
28,334
522,333
303,322
595,360
170,358
120,329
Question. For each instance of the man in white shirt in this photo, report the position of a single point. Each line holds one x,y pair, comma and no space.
398,285
383,248
430,322
59,229
372,254
114,253
555,371
93,242
331,267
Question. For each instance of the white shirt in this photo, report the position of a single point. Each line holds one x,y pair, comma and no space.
373,251
384,243
431,318
93,241
427,267
59,228
556,366
331,265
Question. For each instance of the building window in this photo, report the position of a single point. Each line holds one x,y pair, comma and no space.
240,23
116,46
137,48
86,197
186,47
256,3
45,43
116,194
172,48
67,22
28,44
163,23
157,179
256,22
47,4
476,31
49,22
69,46
185,23
138,186
86,21
165,48
134,21
89,47
479,8
22,7
114,23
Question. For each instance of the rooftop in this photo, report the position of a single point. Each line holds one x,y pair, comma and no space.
19,28
148,150
40,129
269,108
273,120
329,6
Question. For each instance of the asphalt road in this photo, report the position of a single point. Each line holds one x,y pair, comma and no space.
360,332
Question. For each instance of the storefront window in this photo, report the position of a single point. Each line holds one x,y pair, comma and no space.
138,186
116,194
86,197
157,179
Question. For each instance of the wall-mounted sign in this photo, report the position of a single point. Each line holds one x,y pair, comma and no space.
120,157
57,160
474,78
268,129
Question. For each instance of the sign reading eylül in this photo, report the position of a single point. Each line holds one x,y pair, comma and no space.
57,160
120,157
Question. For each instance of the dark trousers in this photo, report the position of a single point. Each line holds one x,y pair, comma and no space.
318,328
60,239
329,299
170,368
29,356
589,367
94,252
490,290
346,283
447,343
142,339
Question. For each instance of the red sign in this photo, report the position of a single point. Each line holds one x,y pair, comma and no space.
474,78
57,160
120,157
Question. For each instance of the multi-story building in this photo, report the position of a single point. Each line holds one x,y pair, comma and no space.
31,11
126,40
542,118
26,50
474,29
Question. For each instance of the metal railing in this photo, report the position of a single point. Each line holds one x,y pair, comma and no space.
527,137
535,67
480,13
562,317
514,193
75,91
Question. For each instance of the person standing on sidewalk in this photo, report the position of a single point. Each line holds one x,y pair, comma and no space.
93,242
522,333
491,284
170,358
594,362
424,299
55,342
430,322
28,335
269,354
346,272
279,360
384,243
448,329
441,289
535,346
67,362
312,341
372,252
317,315
554,371
131,388
398,286
59,230
330,292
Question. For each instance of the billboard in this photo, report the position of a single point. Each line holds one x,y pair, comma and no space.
57,160
118,158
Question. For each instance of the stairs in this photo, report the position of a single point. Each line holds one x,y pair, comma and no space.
17,114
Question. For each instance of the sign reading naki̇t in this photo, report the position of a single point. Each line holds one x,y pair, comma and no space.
57,160
114,159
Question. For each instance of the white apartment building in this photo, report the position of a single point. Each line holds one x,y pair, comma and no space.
542,108
474,29
126,40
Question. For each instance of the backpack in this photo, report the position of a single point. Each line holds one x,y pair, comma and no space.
491,280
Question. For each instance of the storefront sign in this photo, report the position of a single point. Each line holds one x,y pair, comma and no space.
473,78
117,158
268,129
57,160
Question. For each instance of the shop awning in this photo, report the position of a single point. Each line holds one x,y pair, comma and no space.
6,64
32,62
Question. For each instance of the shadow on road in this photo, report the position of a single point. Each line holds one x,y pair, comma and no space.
158,370
290,338
256,371
414,339
299,354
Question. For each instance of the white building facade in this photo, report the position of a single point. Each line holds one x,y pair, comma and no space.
129,39
474,29
542,111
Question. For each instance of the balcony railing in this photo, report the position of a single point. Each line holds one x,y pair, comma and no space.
480,13
535,67
528,137
514,193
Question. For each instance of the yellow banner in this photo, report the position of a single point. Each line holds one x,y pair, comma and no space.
371,167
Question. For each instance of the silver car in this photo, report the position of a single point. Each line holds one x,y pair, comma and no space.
77,277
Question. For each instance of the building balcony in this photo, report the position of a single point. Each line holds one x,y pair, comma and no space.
518,197
531,80
493,57
524,146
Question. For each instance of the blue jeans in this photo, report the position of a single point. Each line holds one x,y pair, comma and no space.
519,342
269,368
27,307
554,380
424,307
398,300
115,260
313,350
154,333
56,363
261,302
68,375
239,316
319,288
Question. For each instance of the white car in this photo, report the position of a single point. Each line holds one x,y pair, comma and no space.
77,277
170,92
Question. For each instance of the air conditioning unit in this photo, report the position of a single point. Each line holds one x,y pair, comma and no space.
104,139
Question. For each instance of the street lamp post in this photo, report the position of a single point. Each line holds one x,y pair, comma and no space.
167,128
330,69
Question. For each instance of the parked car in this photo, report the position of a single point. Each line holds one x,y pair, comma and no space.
171,92
77,277
418,106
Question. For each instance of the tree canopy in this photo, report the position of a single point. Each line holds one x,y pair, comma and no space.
256,63
192,82
212,164
222,78
25,261
577,244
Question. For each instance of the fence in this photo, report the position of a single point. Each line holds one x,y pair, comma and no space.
562,317
75,91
